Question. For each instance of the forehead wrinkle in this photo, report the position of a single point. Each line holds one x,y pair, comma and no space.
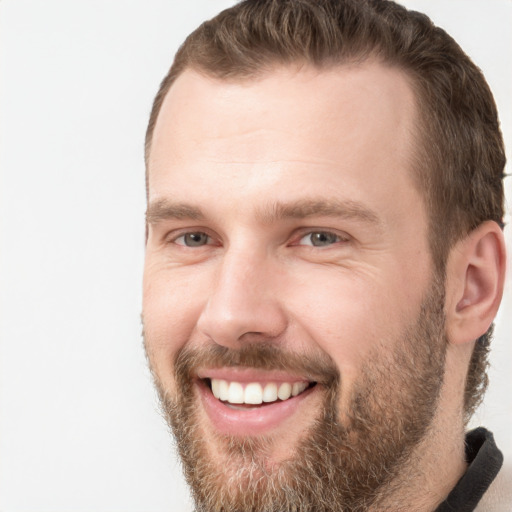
165,209
305,208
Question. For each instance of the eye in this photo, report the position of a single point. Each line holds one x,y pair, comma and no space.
320,239
193,239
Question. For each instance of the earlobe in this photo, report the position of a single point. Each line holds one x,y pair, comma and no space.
475,279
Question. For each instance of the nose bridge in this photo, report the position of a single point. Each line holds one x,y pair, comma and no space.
243,299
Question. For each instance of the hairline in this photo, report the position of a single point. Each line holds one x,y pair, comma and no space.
418,132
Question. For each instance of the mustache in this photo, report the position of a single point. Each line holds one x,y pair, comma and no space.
318,367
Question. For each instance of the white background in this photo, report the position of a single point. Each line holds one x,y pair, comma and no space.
79,423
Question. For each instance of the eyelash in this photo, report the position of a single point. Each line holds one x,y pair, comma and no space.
175,239
338,238
335,237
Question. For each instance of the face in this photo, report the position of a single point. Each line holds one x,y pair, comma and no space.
291,318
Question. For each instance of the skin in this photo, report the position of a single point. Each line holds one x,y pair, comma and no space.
344,138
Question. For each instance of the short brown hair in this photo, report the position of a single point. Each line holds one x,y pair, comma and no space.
460,155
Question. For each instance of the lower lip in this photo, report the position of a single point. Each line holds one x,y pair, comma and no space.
250,421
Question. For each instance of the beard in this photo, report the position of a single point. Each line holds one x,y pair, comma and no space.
348,465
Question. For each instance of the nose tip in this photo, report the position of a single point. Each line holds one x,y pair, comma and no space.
243,305
231,323
232,331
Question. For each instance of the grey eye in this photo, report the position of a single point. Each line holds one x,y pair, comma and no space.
196,239
320,239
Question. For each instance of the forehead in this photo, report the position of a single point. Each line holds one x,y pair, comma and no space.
293,126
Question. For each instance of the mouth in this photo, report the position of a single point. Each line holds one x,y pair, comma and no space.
241,402
256,393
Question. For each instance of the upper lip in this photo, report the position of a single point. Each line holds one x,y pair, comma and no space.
246,375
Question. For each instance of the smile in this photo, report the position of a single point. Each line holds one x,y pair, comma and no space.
255,393
248,403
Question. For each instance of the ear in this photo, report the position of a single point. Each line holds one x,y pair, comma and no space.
475,275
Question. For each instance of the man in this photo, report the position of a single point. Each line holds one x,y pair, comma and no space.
324,259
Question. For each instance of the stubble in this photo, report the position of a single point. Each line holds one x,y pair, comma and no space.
342,466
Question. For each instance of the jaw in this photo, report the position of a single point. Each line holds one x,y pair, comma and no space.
233,453
306,446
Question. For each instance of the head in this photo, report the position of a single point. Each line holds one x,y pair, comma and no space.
277,147
459,152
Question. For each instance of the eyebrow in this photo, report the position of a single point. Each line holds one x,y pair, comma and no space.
164,209
304,208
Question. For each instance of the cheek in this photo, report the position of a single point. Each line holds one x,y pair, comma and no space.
348,315
349,319
171,307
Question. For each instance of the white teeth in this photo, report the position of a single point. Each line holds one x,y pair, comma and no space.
236,393
215,388
254,393
270,392
285,391
298,387
223,389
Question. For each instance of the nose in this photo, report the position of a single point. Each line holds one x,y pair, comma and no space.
243,302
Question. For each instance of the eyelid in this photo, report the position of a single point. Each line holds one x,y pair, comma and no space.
175,234
342,235
207,242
